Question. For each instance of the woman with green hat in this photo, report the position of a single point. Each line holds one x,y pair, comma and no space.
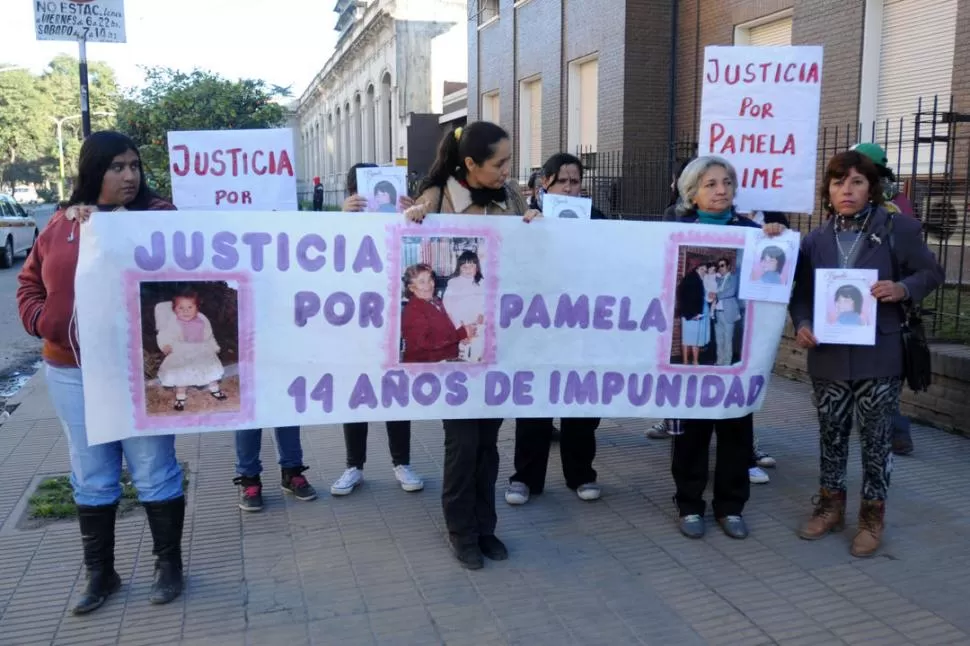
895,202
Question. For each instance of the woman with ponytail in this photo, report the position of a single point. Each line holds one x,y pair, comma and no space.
471,176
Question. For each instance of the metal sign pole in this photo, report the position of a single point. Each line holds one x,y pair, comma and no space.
83,69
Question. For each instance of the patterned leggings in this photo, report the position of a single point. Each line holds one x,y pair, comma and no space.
870,404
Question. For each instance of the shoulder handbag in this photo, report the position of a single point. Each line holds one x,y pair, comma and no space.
917,369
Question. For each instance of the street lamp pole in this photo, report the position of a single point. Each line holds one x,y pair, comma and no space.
60,146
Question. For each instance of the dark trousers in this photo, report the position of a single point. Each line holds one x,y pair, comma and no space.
398,439
690,464
468,484
577,448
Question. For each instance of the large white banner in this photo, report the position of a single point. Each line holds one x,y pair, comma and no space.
234,170
760,110
245,320
96,21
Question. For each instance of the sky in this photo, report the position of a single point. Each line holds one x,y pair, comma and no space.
284,42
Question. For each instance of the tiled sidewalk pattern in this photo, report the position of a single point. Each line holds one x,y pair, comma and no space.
373,568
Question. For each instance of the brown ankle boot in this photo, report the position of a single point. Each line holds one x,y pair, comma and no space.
869,535
828,516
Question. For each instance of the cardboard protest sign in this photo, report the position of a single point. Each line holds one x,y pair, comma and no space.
760,110
300,321
235,170
567,207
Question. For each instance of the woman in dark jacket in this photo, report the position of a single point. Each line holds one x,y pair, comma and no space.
858,385
562,174
707,188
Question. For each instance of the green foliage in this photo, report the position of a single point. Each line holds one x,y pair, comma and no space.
199,100
54,498
29,106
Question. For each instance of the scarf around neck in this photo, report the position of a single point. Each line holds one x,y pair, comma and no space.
705,217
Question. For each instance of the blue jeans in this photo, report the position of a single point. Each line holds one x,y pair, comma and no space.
249,443
96,470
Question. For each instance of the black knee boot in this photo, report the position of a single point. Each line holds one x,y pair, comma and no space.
98,539
166,520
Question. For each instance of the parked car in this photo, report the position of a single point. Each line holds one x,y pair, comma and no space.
18,231
25,195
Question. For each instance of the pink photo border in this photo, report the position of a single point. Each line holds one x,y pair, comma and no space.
136,372
731,239
395,232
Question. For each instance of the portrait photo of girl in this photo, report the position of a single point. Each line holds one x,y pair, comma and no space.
385,196
190,347
847,306
464,301
771,265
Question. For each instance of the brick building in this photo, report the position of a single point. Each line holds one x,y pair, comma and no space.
610,77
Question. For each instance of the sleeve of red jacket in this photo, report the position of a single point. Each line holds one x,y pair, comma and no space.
419,335
31,294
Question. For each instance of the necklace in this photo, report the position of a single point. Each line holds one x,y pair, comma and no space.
850,254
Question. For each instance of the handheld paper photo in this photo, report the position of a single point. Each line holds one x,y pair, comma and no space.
383,186
768,267
845,310
568,207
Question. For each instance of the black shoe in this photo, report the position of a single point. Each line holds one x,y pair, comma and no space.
166,520
902,443
250,492
492,548
468,553
733,526
295,483
98,538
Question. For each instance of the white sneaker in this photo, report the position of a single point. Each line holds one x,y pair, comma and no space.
517,493
346,483
410,481
764,460
757,475
589,491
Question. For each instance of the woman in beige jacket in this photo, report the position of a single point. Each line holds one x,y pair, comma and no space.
471,176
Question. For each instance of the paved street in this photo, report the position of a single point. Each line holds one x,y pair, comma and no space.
373,568
18,350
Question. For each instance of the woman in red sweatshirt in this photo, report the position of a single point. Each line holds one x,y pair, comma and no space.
109,178
428,333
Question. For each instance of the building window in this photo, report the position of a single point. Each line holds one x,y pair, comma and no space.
487,10
898,70
490,107
768,31
583,125
530,125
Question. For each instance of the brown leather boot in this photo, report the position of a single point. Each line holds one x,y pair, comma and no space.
869,535
828,516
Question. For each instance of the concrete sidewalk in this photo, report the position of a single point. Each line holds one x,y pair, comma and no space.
374,568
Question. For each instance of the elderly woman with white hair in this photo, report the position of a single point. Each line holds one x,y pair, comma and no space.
707,188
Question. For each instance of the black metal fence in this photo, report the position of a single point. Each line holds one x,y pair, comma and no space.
929,152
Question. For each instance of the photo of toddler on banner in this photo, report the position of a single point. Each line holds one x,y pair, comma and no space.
443,300
183,368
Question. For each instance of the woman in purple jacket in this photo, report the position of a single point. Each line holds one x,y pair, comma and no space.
858,385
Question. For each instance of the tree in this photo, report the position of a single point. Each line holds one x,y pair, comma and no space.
199,100
28,106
